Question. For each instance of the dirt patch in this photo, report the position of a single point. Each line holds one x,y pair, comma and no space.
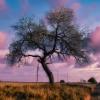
88,97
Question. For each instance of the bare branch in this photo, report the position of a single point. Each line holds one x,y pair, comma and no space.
32,56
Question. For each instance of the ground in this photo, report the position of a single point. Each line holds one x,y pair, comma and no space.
44,91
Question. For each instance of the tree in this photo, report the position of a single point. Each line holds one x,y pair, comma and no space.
92,80
59,36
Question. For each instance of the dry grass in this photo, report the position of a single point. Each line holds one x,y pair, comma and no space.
42,91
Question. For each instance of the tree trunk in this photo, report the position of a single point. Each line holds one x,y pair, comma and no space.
48,72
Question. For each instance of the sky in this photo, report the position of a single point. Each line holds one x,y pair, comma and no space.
87,13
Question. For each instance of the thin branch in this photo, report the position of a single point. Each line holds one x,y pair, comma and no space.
31,56
55,41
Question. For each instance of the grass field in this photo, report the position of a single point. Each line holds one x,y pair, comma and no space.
42,91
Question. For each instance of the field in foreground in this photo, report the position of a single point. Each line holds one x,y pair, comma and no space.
43,91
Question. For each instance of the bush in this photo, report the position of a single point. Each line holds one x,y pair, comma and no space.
62,81
92,80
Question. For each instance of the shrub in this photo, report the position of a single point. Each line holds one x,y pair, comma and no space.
92,80
62,81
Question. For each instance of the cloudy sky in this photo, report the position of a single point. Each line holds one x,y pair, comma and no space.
87,14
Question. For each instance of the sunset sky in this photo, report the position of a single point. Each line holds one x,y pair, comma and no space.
87,13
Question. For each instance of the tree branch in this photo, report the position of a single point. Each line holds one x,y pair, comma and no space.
31,56
55,41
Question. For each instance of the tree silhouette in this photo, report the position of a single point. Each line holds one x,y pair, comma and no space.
92,80
59,36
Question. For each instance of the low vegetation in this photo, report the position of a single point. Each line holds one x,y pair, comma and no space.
92,80
42,91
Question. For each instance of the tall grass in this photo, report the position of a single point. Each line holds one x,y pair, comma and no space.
42,91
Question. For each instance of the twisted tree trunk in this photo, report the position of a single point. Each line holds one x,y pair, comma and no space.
48,72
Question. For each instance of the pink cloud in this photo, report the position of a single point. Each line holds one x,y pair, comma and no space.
3,5
3,52
57,3
60,70
25,6
3,40
96,37
75,6
4,9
